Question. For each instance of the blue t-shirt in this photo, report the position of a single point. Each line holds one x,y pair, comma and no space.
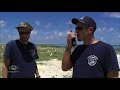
93,61
22,59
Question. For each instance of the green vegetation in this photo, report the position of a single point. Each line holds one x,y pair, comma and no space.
0,68
50,52
117,48
2,48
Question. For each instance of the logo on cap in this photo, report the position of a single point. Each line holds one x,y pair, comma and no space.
82,18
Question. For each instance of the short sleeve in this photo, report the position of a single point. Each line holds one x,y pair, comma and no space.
36,54
111,62
72,57
75,54
7,51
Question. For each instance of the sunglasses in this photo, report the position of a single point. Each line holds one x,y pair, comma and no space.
78,28
26,33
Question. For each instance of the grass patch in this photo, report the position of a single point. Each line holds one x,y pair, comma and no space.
118,52
2,48
40,63
50,52
50,55
0,68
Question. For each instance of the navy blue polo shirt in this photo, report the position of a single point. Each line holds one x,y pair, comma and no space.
93,61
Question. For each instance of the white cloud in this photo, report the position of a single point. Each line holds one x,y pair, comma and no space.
15,37
118,36
55,32
49,37
12,37
68,22
56,35
2,24
33,33
115,40
108,34
101,38
111,29
48,25
60,34
113,14
101,30
37,23
104,30
9,36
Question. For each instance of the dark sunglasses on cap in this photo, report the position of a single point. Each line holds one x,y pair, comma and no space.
26,33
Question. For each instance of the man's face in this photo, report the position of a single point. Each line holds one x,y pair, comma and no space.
24,34
82,31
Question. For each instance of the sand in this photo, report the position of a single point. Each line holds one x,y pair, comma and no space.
52,69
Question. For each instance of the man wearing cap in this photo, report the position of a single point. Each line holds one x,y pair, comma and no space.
93,59
20,55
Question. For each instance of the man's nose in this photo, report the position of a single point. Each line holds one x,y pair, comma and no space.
24,35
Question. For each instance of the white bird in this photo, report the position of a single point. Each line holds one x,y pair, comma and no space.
51,54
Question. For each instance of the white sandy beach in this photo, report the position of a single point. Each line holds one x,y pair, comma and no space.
52,69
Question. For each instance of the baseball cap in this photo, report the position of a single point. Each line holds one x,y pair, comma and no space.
24,25
85,20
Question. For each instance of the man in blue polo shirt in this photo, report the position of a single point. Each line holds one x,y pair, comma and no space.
93,59
20,55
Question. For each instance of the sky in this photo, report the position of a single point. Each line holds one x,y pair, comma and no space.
53,27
